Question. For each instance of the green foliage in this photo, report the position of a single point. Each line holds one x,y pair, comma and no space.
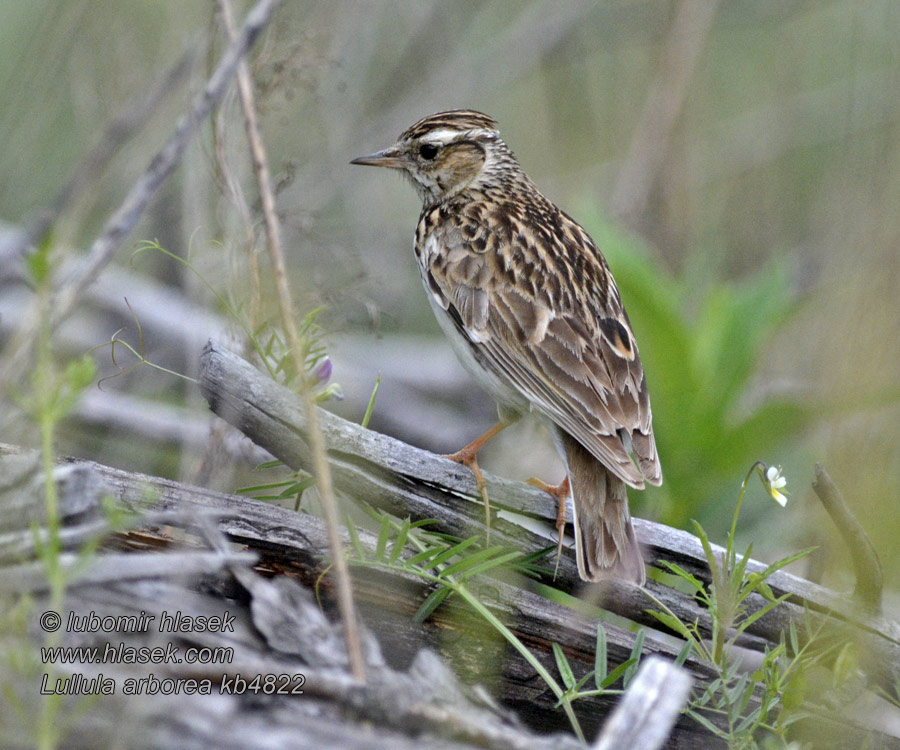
603,678
778,684
700,343
291,488
450,564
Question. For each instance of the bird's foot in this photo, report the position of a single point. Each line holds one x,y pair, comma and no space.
468,456
561,493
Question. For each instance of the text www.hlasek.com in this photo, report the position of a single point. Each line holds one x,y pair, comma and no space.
119,653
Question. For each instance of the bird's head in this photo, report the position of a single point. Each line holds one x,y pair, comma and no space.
446,153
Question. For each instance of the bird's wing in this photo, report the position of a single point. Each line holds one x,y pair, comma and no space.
551,324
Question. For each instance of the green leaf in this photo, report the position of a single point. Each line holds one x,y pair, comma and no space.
758,583
745,623
261,487
711,558
80,372
601,663
476,558
695,583
456,549
269,465
616,673
488,565
371,407
565,669
383,534
785,561
581,682
636,651
431,603
794,692
672,622
748,722
684,653
424,522
400,540
354,539
704,722
795,641
38,262
422,558
297,488
736,692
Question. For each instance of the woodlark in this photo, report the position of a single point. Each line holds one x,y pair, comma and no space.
532,310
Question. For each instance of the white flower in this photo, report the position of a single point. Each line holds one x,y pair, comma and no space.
774,483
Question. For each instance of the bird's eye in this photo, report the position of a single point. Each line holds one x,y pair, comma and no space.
428,151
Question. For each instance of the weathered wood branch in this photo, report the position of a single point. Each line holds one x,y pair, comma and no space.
406,481
290,543
279,633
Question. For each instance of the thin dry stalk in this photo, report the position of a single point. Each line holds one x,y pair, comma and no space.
321,469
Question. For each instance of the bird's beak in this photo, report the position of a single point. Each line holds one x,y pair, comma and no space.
389,157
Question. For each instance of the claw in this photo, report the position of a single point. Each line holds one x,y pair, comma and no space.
561,493
469,459
468,456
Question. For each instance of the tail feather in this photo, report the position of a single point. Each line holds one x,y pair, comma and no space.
605,544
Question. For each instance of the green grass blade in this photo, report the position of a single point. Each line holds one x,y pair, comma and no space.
601,663
431,603
562,664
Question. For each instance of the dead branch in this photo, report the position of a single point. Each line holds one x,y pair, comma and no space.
409,482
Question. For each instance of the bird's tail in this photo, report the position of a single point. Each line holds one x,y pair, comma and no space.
605,545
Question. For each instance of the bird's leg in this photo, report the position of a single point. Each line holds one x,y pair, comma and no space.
561,493
468,456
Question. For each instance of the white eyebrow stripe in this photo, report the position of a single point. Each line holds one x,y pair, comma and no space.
446,135
440,136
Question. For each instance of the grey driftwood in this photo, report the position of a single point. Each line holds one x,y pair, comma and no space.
203,552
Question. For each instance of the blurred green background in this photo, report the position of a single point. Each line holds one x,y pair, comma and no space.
738,162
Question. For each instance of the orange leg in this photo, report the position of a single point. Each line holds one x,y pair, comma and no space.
468,456
561,493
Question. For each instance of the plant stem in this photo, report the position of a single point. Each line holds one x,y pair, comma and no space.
462,591
317,443
46,392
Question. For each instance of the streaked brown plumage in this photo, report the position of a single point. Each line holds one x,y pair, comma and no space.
532,310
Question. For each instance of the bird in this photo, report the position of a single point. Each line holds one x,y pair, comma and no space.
531,309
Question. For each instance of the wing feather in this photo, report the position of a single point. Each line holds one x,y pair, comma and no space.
572,357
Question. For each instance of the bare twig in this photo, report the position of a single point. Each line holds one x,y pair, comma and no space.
285,305
70,290
651,137
865,561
